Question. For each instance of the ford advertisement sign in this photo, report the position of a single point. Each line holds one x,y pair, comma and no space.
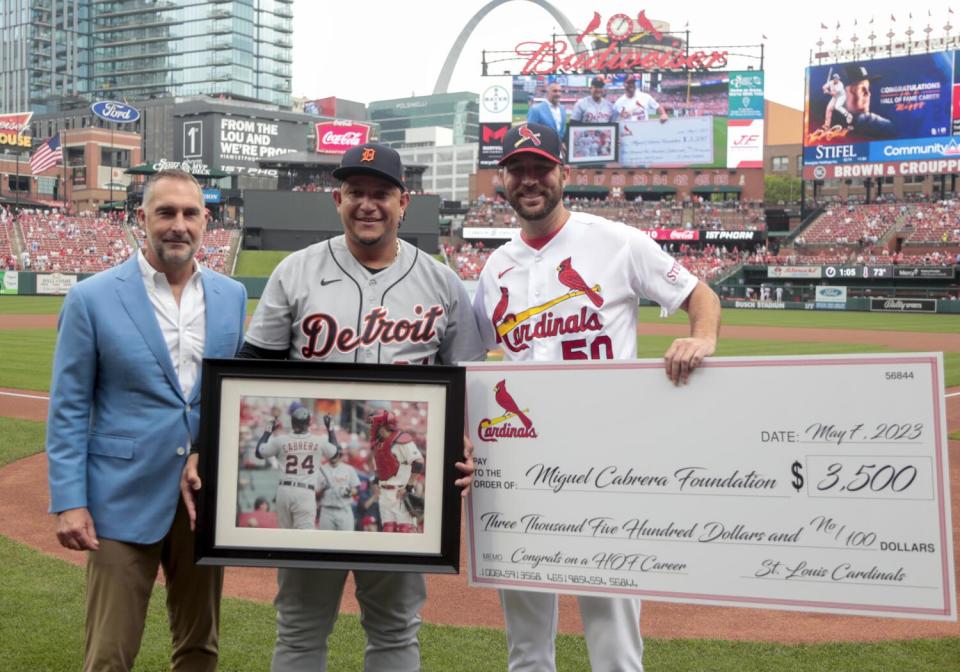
118,113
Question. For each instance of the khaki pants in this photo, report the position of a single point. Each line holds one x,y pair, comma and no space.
120,578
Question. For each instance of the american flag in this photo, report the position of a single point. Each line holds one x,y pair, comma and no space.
48,154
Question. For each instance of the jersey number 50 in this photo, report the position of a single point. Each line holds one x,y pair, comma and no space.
600,348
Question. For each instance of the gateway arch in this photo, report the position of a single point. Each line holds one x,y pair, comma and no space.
446,72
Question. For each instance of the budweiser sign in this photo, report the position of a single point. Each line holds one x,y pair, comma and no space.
336,137
622,52
14,123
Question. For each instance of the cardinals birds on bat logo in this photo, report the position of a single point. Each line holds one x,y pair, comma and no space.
527,134
491,429
569,277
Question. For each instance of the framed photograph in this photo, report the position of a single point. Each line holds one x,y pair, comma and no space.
592,143
330,465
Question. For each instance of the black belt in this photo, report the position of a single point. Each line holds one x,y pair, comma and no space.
297,484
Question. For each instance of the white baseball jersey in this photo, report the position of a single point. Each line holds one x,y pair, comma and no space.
300,455
642,106
576,298
338,482
590,111
836,89
321,303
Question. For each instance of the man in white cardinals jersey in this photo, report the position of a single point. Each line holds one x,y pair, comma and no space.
365,296
636,105
567,288
594,109
300,453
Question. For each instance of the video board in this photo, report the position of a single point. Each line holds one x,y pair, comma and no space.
650,120
882,117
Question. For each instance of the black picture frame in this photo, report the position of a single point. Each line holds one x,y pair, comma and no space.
576,130
231,386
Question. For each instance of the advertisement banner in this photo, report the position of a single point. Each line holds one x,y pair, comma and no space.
880,110
830,297
9,282
746,95
55,283
496,101
12,127
672,234
115,111
491,144
497,232
211,195
924,272
903,305
888,169
336,137
745,143
728,236
794,271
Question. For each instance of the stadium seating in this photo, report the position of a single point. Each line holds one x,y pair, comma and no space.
936,223
71,244
8,257
851,224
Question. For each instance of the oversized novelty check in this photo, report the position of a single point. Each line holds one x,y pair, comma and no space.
806,483
678,141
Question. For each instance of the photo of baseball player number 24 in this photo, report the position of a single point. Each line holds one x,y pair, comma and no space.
332,464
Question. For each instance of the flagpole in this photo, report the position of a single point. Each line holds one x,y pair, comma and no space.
18,184
63,155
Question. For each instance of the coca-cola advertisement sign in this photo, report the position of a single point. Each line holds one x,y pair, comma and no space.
337,137
672,234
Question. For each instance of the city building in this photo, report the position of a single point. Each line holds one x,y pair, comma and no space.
52,52
448,168
458,112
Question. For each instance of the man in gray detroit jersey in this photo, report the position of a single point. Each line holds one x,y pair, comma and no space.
594,108
300,455
366,296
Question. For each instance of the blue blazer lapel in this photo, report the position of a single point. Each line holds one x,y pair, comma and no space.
133,297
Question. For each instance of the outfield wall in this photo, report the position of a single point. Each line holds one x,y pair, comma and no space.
806,297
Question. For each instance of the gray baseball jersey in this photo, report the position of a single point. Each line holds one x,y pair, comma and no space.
337,483
589,110
299,455
321,303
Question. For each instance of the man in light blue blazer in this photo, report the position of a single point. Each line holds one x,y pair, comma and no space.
124,415
550,112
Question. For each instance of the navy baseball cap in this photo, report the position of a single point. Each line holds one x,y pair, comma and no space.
534,139
372,159
857,73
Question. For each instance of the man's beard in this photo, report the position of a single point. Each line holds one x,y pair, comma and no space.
531,215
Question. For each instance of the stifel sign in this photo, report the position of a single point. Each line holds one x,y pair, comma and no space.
552,57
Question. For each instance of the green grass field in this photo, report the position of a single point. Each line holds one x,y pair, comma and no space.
258,263
28,365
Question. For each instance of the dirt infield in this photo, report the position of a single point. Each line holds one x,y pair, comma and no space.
23,518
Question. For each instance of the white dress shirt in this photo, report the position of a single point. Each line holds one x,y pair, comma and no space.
183,326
